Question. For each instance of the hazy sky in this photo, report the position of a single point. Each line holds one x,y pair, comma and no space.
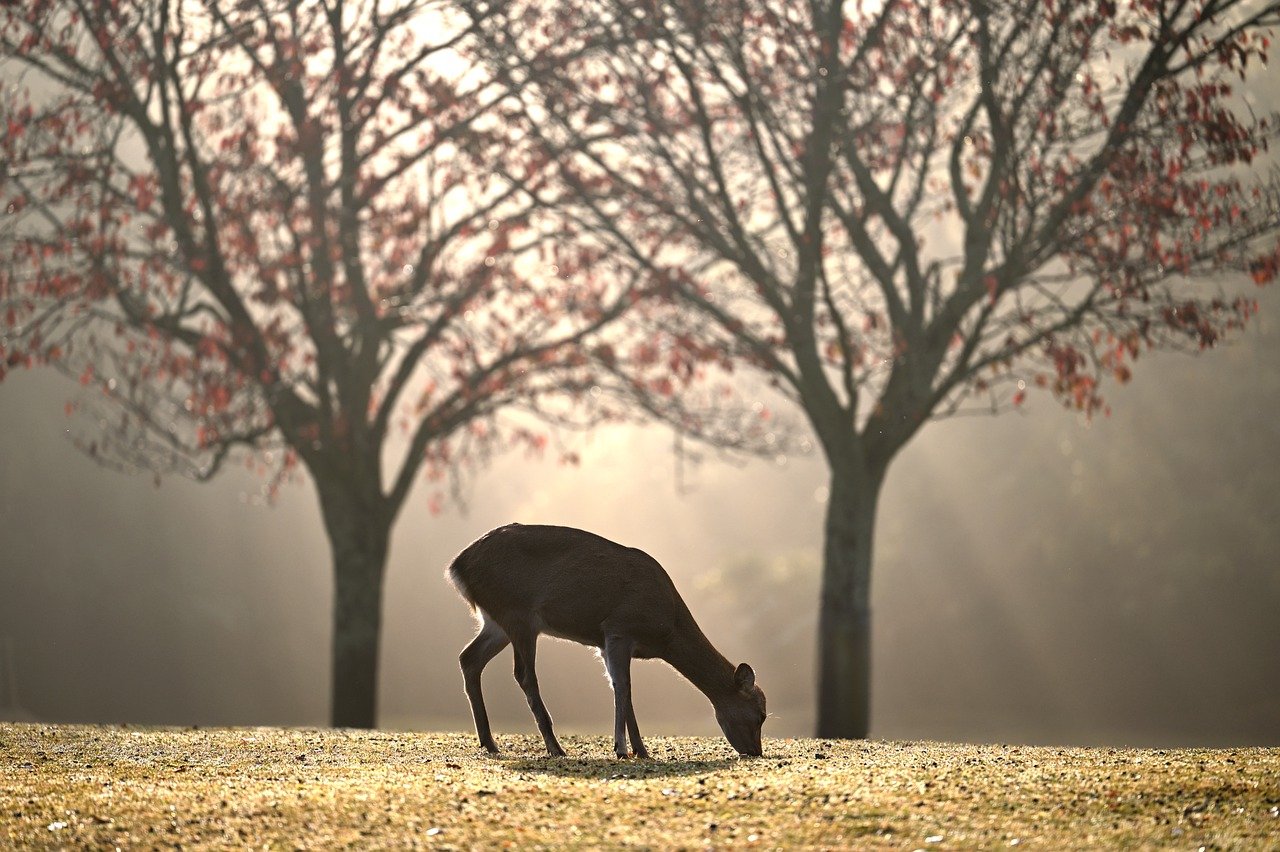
1037,579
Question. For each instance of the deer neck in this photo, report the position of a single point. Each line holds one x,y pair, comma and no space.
693,655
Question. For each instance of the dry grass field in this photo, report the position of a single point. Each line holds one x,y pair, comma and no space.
106,787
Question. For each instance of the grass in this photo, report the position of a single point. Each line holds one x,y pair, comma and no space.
103,787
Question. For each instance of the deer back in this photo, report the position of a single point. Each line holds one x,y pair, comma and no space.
570,583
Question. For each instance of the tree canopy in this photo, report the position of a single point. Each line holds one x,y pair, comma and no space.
279,226
899,210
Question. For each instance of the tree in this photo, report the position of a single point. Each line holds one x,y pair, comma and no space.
899,211
272,230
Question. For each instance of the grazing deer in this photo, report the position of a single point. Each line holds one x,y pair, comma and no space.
527,580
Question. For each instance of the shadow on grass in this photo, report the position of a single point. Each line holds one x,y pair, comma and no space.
592,757
613,769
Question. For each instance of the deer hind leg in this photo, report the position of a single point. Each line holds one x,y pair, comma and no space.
524,642
617,661
488,642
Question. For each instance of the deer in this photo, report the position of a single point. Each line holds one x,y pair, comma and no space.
525,580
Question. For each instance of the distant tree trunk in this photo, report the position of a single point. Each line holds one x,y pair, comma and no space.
359,533
844,625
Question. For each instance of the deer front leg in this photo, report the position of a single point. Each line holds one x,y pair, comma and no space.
617,660
525,645
637,746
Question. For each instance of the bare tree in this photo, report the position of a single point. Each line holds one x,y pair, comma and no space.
274,229
900,211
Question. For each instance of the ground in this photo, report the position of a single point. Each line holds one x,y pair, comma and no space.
106,787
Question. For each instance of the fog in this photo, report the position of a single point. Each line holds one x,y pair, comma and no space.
1038,579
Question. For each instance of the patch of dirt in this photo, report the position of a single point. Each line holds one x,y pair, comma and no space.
102,787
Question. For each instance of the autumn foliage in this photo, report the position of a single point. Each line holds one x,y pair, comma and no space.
901,210
293,231
255,224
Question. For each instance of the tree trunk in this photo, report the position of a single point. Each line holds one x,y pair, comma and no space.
358,537
844,624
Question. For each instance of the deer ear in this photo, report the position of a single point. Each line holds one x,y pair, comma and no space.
744,676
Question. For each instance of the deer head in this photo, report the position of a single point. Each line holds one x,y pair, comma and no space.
741,713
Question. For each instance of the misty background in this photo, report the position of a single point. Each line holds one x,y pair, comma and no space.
1038,578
